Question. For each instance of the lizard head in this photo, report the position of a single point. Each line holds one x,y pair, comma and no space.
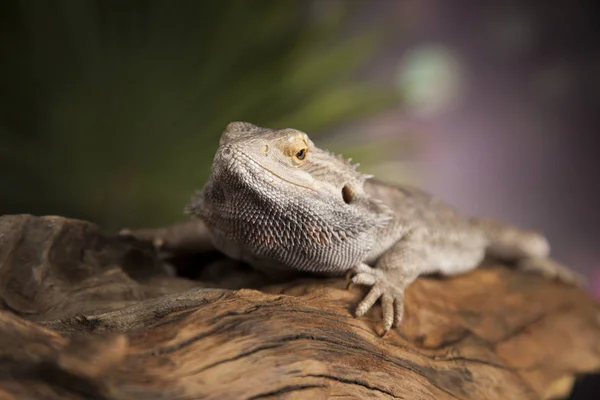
273,191
288,160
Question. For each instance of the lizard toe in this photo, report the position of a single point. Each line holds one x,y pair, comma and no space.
361,274
369,300
398,310
364,279
387,309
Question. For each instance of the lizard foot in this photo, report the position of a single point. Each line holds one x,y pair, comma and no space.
392,296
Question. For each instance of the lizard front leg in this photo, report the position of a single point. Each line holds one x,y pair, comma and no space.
397,268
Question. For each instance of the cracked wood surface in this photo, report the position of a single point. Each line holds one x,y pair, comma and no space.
90,315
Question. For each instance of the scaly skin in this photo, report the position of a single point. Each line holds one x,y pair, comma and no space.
283,205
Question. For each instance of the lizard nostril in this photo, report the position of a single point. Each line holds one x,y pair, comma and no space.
347,194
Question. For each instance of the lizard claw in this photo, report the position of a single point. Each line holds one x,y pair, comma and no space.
392,297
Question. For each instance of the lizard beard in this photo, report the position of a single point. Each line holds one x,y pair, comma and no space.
287,226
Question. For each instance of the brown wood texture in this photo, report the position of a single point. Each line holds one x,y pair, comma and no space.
85,315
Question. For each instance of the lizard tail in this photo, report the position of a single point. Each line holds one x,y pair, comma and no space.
511,243
528,249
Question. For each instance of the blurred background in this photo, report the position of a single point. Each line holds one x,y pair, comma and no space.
111,110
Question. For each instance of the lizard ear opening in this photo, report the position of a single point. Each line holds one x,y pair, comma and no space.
347,194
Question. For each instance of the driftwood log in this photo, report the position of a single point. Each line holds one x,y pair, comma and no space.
86,314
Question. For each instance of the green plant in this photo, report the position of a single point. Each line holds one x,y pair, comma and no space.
111,109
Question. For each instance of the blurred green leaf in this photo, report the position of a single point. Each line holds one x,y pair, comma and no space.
111,110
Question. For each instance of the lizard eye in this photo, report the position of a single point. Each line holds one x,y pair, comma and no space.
301,154
296,148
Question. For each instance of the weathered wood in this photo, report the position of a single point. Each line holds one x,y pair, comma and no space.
90,315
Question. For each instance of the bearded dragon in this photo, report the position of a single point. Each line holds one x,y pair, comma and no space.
283,205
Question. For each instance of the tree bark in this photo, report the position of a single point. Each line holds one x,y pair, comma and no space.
85,314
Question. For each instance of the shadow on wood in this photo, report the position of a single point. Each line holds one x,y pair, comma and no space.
91,315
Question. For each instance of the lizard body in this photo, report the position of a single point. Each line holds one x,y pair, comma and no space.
283,205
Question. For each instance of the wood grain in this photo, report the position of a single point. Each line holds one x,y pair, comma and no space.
91,315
